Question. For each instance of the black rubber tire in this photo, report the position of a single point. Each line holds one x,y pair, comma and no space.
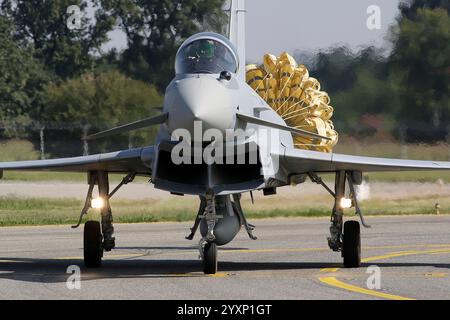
210,258
352,244
93,248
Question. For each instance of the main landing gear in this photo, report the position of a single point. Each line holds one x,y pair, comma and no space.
344,237
351,246
98,237
93,247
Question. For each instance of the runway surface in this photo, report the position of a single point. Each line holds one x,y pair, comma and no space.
290,260
139,190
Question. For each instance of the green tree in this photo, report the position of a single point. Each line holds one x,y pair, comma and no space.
98,102
21,80
420,63
155,29
370,94
408,8
44,25
358,84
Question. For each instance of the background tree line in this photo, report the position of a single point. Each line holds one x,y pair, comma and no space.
58,82
405,93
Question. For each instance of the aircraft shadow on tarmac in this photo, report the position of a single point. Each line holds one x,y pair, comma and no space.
54,271
172,248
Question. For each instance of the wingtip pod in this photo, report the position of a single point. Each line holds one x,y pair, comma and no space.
296,97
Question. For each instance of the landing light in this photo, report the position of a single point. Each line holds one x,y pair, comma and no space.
345,203
97,203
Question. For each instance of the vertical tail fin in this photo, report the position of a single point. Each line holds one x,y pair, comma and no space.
237,32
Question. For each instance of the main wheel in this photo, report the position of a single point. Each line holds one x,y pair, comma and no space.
93,248
210,258
352,244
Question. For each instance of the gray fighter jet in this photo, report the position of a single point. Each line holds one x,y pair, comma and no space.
219,139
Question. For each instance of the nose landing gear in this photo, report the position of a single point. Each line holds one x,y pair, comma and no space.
208,248
209,258
219,220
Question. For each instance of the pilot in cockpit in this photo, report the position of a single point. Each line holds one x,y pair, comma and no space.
205,53
207,56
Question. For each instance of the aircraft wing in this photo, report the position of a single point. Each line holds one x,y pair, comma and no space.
133,160
302,161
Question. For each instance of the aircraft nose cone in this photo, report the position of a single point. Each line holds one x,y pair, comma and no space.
202,99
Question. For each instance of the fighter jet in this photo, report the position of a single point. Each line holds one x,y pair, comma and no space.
219,139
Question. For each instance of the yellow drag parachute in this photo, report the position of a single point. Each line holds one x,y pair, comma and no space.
296,97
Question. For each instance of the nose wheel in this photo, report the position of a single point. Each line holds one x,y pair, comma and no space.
351,248
93,248
210,258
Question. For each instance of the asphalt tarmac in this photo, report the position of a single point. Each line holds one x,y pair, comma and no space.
408,256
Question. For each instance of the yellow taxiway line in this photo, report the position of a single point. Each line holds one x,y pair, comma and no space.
279,250
137,255
404,253
111,256
332,281
329,280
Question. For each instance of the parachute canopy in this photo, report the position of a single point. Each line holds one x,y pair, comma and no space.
296,97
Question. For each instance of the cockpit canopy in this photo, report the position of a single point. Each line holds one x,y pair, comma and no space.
206,53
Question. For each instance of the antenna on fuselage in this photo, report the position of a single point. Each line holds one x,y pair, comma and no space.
237,33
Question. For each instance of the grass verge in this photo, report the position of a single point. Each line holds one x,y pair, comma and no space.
37,211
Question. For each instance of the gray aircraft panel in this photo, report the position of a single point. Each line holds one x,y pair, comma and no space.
134,160
372,164
301,161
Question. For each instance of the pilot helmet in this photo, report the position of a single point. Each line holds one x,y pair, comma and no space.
206,49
